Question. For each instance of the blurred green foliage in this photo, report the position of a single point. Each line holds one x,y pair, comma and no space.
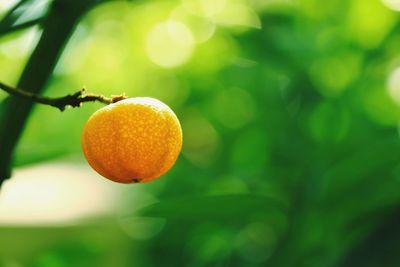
290,114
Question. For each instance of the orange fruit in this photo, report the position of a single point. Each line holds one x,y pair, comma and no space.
133,140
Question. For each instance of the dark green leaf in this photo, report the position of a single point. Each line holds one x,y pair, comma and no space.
221,207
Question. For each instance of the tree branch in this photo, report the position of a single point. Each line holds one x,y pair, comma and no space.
74,100
58,25
20,26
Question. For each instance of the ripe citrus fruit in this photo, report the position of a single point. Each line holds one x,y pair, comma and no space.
133,140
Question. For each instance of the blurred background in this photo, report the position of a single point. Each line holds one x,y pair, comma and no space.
290,111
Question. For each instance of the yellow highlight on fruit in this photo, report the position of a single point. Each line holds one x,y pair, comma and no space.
134,140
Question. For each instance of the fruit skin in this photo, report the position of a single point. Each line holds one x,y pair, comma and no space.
133,140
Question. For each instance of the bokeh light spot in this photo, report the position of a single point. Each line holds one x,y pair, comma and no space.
201,139
170,44
380,107
209,242
393,85
233,108
392,4
332,75
206,8
366,31
202,28
239,14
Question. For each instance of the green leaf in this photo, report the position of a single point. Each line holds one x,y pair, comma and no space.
36,153
240,208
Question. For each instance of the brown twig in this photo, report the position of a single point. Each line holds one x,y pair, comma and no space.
74,100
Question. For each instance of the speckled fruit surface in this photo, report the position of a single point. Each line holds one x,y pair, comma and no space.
134,140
